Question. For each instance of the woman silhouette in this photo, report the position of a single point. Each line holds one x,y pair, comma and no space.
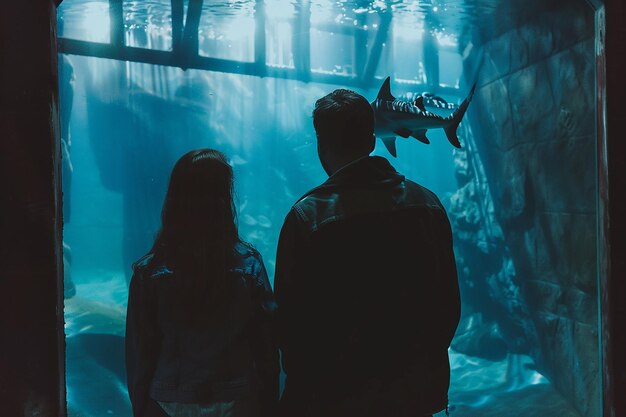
198,339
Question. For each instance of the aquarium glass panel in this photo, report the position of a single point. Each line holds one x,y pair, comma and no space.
148,24
408,52
332,52
279,33
450,66
520,192
227,30
85,20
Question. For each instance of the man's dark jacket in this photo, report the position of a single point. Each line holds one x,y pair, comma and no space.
368,298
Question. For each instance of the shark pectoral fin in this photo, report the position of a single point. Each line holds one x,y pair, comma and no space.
419,103
402,131
390,144
421,136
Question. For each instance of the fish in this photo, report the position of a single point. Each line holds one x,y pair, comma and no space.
401,118
237,160
260,220
248,220
263,221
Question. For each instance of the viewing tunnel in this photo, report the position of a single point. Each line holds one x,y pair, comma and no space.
143,82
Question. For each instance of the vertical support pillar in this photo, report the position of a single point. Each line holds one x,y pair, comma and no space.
604,265
302,40
614,337
382,36
259,37
178,14
192,26
116,16
31,309
185,35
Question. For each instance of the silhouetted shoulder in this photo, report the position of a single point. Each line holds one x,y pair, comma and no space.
245,249
143,263
250,260
148,267
423,195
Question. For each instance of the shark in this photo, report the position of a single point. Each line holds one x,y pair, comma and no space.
396,117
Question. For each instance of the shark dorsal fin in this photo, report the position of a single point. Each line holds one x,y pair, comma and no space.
419,103
385,91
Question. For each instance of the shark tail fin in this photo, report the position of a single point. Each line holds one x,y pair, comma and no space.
455,119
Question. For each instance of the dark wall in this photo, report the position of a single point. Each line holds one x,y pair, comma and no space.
614,295
31,311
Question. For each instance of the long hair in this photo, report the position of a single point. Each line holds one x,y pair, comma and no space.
198,228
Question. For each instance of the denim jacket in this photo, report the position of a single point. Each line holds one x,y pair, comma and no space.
230,357
368,298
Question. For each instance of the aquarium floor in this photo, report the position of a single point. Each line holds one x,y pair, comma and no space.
95,324
533,401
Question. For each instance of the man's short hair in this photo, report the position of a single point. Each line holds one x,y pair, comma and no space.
344,120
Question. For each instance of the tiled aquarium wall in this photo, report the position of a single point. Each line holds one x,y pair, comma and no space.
527,203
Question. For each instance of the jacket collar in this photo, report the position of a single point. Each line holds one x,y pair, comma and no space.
367,171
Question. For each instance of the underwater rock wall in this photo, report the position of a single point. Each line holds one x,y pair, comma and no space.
533,121
495,319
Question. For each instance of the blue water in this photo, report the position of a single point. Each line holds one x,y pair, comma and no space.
130,122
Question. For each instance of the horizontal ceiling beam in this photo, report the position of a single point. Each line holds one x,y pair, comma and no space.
167,58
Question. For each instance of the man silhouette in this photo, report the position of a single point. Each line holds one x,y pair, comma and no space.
366,282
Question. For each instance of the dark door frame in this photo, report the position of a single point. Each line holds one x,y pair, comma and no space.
32,360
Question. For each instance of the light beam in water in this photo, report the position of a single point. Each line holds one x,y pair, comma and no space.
96,22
